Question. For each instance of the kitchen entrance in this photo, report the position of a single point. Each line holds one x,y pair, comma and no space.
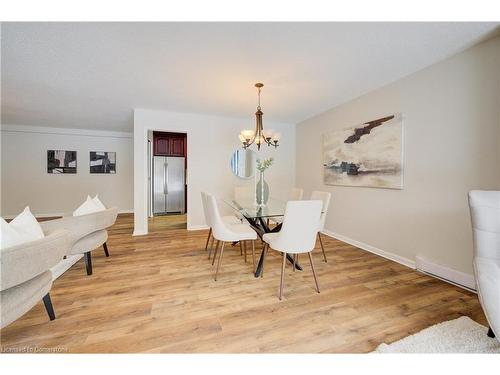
167,185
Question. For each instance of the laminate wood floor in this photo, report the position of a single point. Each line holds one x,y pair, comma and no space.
156,293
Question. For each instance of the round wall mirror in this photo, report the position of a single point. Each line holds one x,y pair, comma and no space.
243,163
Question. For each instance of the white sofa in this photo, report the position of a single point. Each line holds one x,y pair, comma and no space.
25,274
485,214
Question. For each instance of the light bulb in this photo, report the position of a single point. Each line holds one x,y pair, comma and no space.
247,134
268,133
276,137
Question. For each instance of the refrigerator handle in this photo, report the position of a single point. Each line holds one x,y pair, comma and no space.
165,178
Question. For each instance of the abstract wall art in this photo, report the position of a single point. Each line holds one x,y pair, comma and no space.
369,154
60,161
102,162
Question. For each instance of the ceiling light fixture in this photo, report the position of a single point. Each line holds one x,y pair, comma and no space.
259,135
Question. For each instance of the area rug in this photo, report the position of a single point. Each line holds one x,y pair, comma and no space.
462,335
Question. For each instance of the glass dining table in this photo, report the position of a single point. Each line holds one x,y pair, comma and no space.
258,218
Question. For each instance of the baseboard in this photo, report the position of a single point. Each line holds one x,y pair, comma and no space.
384,254
141,232
450,275
198,227
444,273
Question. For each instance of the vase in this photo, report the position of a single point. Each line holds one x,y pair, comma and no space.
262,191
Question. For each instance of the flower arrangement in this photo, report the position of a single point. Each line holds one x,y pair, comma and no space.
262,166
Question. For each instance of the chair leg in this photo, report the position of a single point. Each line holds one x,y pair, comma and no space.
48,306
491,333
242,250
282,280
322,247
294,260
219,261
314,271
215,252
88,262
266,246
245,250
253,254
105,246
211,248
208,238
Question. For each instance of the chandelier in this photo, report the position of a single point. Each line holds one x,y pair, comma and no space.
259,135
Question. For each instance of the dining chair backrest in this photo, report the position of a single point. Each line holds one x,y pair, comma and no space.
296,194
216,223
325,197
205,208
300,227
244,193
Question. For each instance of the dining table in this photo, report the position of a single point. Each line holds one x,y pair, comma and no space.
258,217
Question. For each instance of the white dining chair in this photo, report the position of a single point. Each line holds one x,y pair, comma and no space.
226,219
325,197
297,235
295,194
223,233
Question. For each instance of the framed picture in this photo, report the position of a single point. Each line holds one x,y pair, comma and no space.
369,154
102,162
60,161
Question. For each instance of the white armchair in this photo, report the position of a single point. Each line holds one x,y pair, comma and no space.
25,274
87,232
485,214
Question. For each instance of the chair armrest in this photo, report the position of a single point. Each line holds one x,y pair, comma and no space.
25,261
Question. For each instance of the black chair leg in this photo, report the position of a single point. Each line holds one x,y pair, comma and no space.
88,262
491,333
48,306
105,246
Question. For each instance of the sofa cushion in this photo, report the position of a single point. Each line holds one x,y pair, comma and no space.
23,228
87,207
98,203
26,223
9,236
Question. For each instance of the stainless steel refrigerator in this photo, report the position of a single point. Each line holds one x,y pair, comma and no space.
168,185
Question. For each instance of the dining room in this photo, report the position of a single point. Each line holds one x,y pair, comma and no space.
342,205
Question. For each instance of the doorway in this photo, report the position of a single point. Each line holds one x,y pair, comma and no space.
167,183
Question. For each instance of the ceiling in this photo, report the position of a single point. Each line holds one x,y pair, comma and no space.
92,75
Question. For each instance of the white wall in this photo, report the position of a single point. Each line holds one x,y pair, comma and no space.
211,141
25,180
451,145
